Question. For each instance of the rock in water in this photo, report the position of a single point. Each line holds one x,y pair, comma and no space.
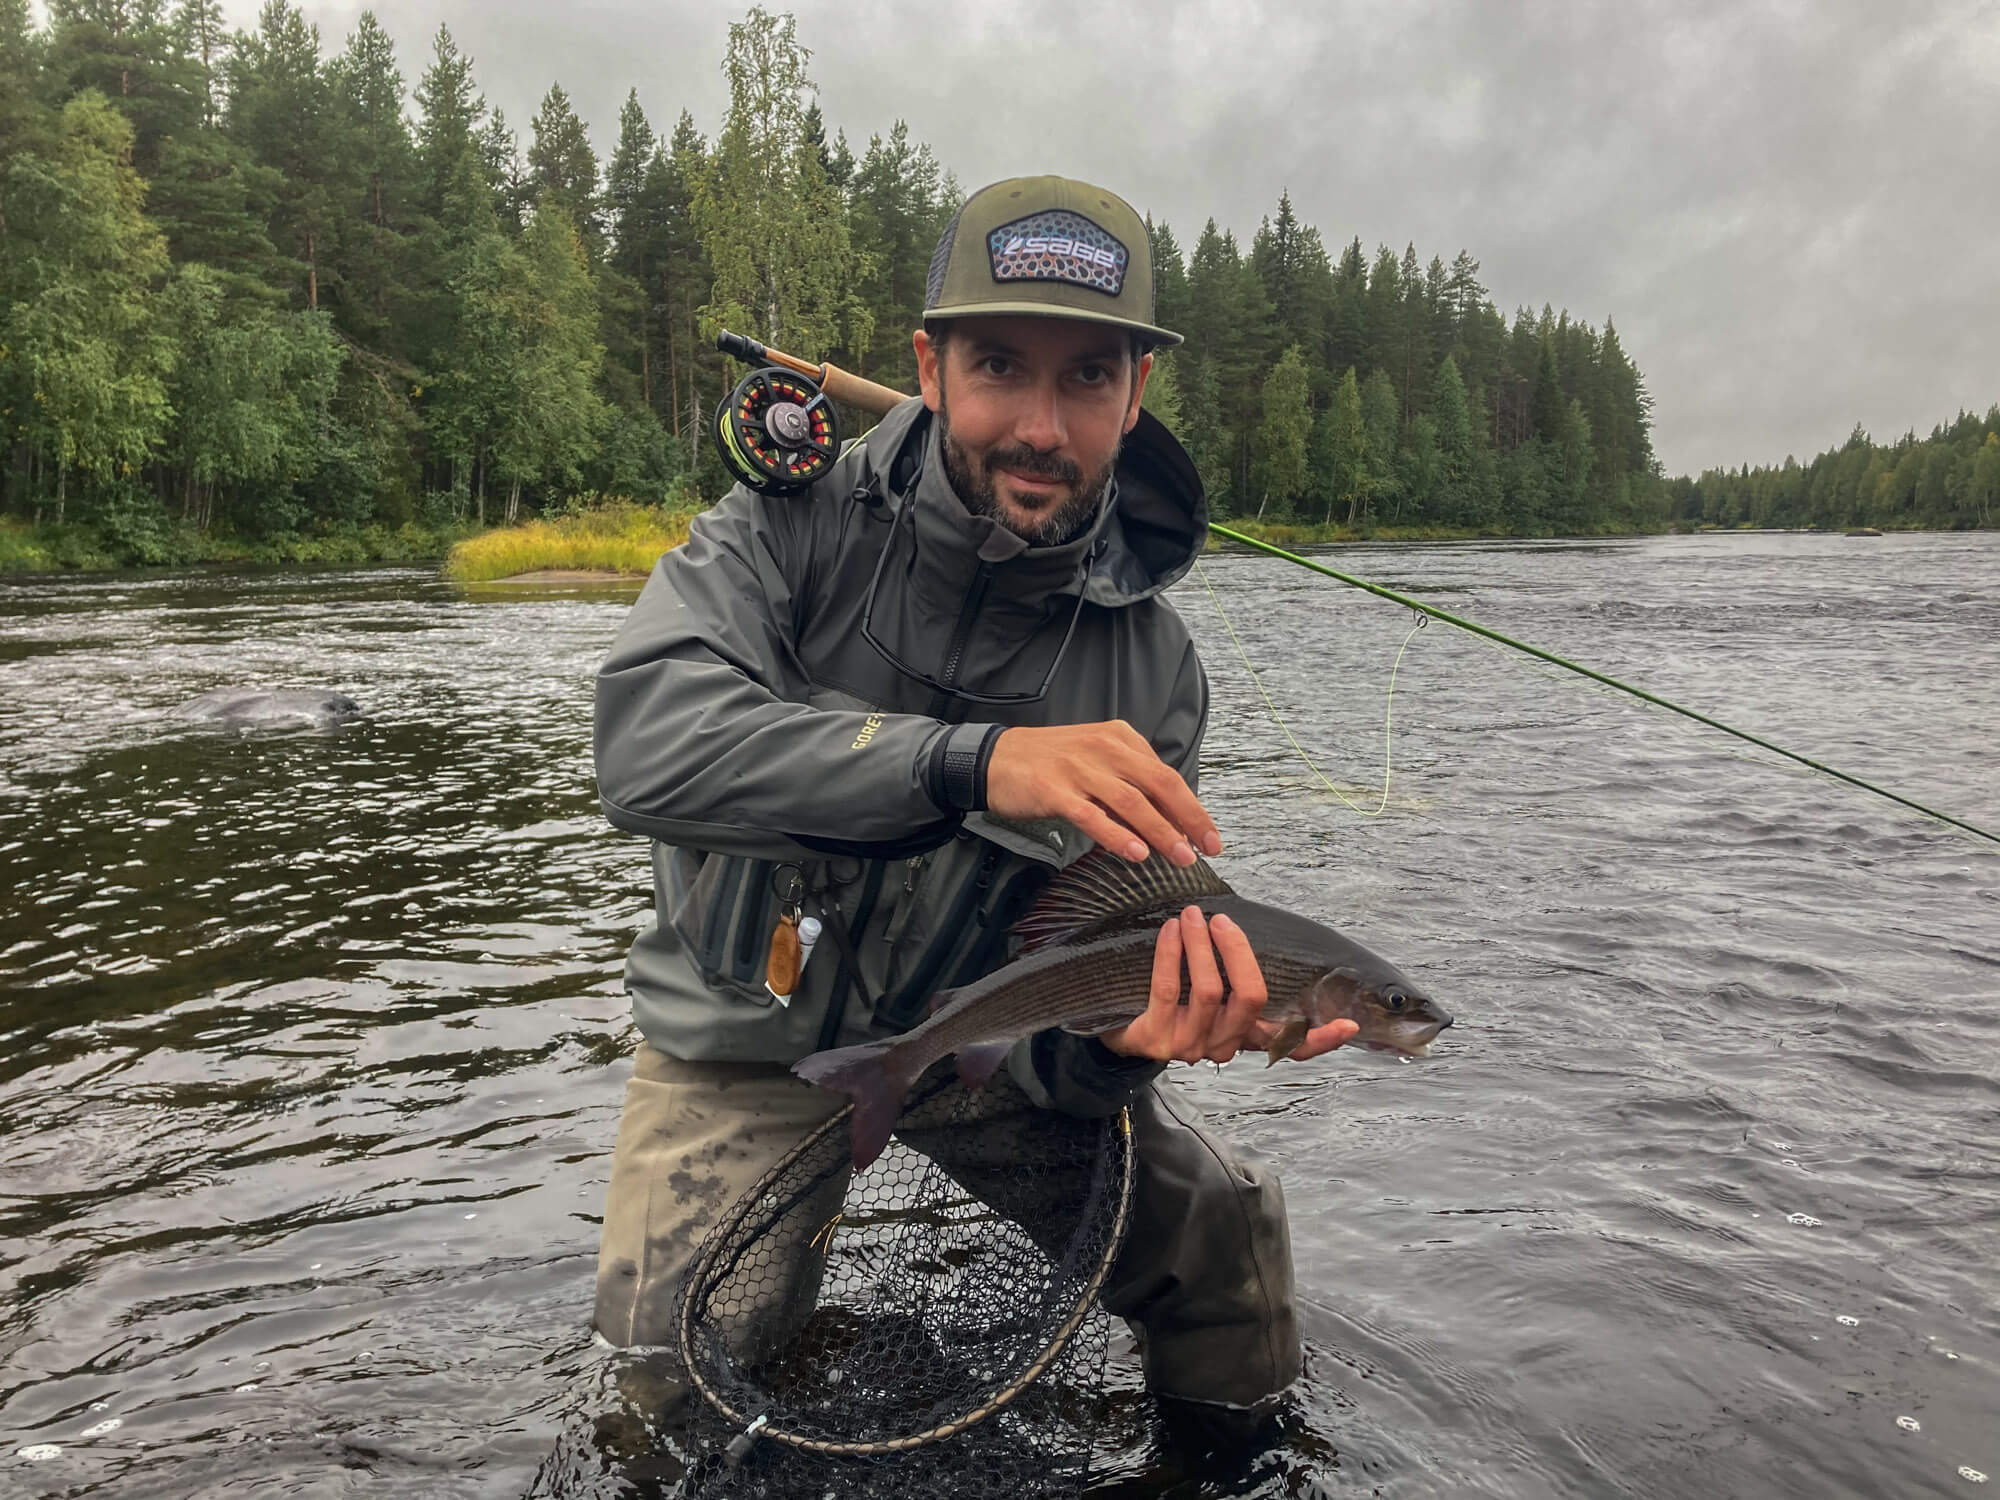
269,708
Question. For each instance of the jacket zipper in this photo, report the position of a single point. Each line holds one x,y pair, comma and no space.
847,981
905,907
890,1009
966,616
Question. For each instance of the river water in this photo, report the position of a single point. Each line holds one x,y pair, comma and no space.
314,1043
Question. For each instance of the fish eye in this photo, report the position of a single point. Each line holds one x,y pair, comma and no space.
1397,1001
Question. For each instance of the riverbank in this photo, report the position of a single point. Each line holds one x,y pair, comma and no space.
27,548
1313,534
612,541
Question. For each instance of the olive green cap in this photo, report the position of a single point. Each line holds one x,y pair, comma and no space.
1046,247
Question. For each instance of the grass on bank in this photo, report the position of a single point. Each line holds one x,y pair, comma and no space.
616,539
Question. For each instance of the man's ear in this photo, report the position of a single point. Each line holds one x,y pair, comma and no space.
928,372
1138,390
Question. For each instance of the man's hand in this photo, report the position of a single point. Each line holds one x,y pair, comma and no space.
1105,779
1216,1019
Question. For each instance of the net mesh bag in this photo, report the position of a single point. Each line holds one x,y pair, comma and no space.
927,1326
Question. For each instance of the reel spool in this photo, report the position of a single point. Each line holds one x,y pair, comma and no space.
777,431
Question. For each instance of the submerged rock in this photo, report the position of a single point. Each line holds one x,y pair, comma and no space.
269,708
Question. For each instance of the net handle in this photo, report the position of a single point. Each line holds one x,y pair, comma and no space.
943,1430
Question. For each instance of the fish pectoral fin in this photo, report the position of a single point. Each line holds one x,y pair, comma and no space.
1288,1040
1099,1022
978,1063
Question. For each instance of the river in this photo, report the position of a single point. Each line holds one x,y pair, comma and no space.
314,1043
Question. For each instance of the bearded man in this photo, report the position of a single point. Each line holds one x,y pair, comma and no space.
902,700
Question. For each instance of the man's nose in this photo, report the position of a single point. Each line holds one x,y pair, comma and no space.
1039,424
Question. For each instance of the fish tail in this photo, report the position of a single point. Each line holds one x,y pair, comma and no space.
869,1074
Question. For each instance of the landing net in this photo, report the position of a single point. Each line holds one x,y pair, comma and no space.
926,1326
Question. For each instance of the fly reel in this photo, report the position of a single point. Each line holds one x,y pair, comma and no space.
777,431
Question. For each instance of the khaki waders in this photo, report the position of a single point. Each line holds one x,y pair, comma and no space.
1204,1277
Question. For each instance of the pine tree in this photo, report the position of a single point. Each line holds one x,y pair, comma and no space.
130,52
898,212
203,39
1170,281
562,169
1347,321
1163,395
694,368
625,180
449,115
630,322
1547,406
1383,314
367,125
279,104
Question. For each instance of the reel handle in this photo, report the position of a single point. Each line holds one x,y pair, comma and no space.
854,390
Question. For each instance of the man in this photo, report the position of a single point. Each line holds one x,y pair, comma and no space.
900,702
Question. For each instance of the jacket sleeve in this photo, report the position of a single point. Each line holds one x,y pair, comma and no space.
703,736
1079,1075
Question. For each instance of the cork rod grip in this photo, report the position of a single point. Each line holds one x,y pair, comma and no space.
857,392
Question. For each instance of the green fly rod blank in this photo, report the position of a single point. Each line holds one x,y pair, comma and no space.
1474,628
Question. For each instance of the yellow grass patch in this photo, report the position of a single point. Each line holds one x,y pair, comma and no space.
625,539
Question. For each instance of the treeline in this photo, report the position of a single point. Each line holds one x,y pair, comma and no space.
1394,391
250,286
1948,481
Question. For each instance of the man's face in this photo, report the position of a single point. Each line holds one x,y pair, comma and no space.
1032,411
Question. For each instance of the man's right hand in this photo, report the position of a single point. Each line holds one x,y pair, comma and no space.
1105,779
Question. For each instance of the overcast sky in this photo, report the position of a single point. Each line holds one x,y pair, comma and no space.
1790,208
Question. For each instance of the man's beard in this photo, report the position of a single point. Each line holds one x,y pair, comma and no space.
1065,523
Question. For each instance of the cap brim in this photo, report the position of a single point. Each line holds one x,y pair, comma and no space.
1162,337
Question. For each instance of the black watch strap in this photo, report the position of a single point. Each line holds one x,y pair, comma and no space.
958,766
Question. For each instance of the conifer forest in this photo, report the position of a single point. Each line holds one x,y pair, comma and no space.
262,286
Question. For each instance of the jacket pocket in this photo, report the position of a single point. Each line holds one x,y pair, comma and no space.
724,909
949,923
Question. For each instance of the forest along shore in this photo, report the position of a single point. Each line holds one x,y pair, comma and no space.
263,303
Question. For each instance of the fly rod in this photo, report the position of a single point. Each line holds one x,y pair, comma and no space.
778,433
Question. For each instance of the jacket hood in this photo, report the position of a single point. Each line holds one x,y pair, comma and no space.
1141,542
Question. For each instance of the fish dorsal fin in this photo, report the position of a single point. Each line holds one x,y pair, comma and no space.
1103,885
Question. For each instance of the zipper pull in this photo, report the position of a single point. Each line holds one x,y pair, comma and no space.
906,906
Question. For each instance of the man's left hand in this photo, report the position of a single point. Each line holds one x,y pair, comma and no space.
1217,1019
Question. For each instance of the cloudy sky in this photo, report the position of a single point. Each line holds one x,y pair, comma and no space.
1790,208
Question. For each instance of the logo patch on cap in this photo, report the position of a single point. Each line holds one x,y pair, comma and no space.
1058,246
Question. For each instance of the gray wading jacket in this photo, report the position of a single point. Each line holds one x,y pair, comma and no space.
746,726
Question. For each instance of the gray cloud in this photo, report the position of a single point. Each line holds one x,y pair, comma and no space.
1787,206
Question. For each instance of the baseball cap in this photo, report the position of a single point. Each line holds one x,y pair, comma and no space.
1048,247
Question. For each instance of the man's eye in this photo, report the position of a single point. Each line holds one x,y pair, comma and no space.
995,364
1093,374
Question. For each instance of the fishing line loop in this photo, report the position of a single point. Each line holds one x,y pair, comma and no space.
1388,702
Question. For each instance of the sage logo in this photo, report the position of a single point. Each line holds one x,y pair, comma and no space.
1059,246
868,728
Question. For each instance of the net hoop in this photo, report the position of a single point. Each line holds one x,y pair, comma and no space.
937,1432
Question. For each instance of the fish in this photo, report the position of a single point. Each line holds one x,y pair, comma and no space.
1086,965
